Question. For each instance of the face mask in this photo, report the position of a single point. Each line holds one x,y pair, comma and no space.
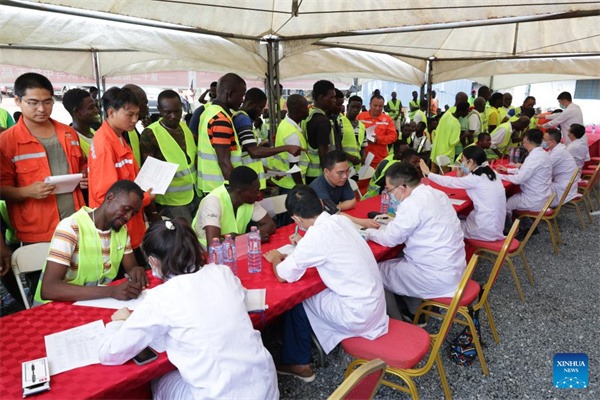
545,145
299,223
465,170
562,106
395,202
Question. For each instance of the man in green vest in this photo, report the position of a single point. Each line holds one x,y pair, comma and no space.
289,133
394,110
243,122
403,153
169,139
84,111
501,136
413,105
89,246
448,133
230,208
219,150
354,138
317,127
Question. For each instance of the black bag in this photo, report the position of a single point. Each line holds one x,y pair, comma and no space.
462,348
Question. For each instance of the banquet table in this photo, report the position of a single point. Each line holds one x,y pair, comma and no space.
594,143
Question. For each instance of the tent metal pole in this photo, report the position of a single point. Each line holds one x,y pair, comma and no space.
96,63
278,93
428,84
271,92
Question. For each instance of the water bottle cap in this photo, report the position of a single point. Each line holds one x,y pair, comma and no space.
253,228
215,240
228,236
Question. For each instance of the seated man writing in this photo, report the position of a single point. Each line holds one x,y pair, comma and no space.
353,303
333,186
89,246
434,257
229,209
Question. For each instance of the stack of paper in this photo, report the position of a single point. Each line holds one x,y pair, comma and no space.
255,300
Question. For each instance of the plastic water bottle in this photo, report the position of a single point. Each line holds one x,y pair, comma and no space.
229,254
215,252
254,251
511,155
517,155
385,202
393,206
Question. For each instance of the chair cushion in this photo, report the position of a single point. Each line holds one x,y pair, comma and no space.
582,183
495,245
588,172
470,294
402,347
533,214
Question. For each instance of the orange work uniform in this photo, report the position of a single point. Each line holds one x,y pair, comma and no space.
23,162
385,133
111,159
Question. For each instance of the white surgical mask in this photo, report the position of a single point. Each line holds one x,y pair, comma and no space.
465,170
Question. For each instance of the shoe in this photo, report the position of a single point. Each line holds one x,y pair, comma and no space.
409,317
303,372
521,233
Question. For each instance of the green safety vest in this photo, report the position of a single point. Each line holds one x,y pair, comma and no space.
11,233
459,157
374,188
423,117
210,175
255,164
134,143
91,266
181,190
349,144
5,119
230,222
314,161
279,162
411,114
85,146
506,141
394,108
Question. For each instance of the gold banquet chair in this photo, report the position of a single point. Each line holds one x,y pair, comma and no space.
362,383
406,345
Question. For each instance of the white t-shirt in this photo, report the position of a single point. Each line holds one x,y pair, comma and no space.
210,214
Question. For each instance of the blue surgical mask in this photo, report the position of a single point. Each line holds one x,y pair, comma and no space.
465,170
562,106
545,145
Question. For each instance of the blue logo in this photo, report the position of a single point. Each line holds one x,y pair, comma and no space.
570,371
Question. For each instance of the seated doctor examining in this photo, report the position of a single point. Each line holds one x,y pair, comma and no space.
199,316
89,246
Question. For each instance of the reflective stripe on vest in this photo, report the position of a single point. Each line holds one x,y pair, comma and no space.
280,162
231,222
91,266
256,164
209,174
349,143
181,189
28,156
314,161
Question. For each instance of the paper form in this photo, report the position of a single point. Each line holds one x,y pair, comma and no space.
74,348
255,299
287,249
370,133
156,174
64,183
109,302
363,169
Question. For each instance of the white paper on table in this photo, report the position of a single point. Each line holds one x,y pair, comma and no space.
109,302
287,249
241,246
456,202
294,169
368,160
75,347
64,183
370,133
255,299
156,174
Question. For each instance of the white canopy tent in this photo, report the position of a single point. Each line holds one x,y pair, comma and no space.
413,41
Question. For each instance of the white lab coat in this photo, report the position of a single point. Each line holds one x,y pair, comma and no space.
486,221
563,166
580,150
208,336
535,179
353,303
434,256
570,115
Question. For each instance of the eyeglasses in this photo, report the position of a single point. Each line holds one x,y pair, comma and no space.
36,103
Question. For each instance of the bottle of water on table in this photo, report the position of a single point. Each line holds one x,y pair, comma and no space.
385,202
215,252
229,254
254,251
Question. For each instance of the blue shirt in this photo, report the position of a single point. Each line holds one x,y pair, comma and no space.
337,194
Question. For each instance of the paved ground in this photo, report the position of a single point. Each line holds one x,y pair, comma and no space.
558,316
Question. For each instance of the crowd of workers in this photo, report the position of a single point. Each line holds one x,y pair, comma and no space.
226,162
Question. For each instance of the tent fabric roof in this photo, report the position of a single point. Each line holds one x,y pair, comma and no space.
381,39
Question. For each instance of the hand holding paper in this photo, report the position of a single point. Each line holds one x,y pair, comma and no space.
156,174
64,183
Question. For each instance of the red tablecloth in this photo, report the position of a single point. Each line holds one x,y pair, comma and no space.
594,143
22,334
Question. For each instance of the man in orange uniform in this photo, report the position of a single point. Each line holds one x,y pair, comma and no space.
111,158
384,133
33,149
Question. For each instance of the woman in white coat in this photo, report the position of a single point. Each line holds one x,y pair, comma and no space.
486,221
199,316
